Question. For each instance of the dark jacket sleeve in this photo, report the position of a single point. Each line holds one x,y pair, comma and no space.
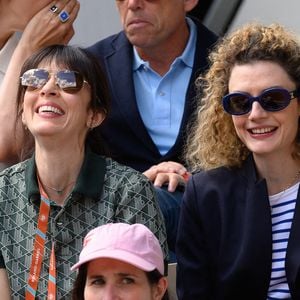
193,267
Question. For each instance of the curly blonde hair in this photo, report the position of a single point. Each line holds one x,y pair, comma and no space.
213,141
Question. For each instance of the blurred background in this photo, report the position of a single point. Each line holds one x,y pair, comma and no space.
99,18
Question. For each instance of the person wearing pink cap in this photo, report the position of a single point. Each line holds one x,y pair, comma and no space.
120,261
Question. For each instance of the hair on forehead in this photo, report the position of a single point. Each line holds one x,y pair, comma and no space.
74,59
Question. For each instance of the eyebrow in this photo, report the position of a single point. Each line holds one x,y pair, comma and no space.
119,274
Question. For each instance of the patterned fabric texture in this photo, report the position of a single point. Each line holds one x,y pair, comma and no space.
105,192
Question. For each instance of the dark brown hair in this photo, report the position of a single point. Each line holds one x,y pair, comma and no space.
75,59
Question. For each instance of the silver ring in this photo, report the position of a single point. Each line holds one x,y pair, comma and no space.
64,16
54,9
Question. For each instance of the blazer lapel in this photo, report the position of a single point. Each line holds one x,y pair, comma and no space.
258,236
256,248
205,41
119,68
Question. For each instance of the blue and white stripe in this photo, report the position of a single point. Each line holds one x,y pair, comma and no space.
282,213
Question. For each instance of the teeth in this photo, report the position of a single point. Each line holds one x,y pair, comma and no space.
50,109
261,130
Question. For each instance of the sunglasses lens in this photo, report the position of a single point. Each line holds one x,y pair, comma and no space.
35,78
69,81
275,100
236,104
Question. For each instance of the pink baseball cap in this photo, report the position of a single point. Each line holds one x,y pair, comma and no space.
134,244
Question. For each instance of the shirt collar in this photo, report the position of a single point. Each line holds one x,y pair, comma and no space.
137,61
187,57
89,183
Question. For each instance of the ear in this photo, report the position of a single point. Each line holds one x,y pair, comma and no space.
95,119
23,118
190,4
160,288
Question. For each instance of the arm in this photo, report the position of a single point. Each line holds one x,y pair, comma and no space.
171,173
44,29
4,285
193,275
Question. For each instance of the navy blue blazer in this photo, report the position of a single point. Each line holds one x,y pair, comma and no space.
224,241
124,131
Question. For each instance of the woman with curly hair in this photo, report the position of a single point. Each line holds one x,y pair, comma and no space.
241,207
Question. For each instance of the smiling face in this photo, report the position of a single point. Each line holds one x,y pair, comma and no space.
52,112
264,132
150,23
114,279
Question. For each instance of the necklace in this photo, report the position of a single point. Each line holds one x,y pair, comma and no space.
293,180
58,191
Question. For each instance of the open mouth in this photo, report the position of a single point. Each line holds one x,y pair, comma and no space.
262,130
50,109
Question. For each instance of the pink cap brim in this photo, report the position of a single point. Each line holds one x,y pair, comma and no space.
121,255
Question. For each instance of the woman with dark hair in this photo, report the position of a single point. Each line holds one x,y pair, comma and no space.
120,261
50,201
25,27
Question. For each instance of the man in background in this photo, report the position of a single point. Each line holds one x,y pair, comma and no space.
151,67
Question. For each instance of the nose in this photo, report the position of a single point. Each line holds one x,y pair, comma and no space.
134,4
257,111
50,88
110,293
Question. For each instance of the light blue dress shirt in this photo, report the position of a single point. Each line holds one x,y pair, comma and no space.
161,99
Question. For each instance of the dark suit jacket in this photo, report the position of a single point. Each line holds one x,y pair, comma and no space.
124,130
224,242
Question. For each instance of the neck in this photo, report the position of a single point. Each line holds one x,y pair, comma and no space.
58,172
279,179
161,56
57,195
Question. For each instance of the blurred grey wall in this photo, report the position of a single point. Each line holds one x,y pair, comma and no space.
96,20
269,11
99,18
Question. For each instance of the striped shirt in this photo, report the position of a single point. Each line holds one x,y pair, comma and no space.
282,213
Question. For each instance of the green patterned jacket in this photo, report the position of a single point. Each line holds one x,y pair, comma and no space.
104,192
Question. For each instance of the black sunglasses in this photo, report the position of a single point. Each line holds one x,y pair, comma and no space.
68,81
272,99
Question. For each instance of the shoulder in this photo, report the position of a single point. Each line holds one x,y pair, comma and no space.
218,176
204,34
124,174
112,43
210,187
13,172
12,187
